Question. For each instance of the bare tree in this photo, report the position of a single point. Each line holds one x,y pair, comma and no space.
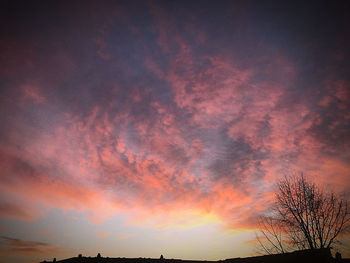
306,217
271,238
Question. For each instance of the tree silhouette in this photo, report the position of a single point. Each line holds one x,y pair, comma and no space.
304,217
271,238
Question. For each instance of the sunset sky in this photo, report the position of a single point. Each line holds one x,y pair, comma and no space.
140,128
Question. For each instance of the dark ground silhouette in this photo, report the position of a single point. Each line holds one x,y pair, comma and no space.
303,256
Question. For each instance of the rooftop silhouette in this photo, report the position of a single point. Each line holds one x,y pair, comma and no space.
302,256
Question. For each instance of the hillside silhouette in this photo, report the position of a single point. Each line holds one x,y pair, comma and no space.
302,256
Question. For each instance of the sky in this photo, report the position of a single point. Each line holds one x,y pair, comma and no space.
141,128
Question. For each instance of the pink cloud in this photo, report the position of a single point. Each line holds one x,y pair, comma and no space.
32,92
164,169
101,44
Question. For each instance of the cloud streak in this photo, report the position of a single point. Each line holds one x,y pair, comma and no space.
14,246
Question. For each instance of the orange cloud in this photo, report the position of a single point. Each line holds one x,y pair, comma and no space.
102,234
